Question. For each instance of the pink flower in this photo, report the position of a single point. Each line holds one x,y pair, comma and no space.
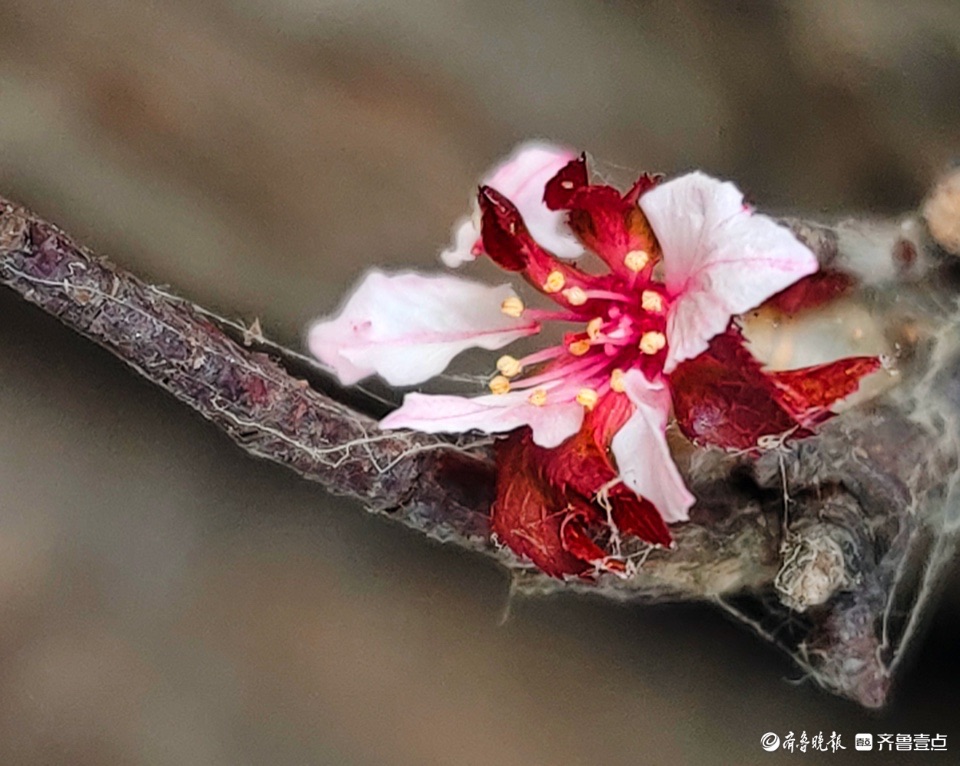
652,331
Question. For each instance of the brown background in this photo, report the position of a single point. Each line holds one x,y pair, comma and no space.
165,599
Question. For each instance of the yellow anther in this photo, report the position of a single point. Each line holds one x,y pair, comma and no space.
617,382
575,295
512,307
579,347
538,398
587,397
651,301
499,385
555,282
636,260
651,342
593,328
509,366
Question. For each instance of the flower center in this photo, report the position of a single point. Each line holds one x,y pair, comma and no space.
624,329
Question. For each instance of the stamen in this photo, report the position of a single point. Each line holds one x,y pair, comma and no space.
579,347
567,370
512,307
555,282
575,295
588,398
509,366
617,382
607,295
543,315
651,301
636,260
538,398
499,385
593,328
651,342
543,355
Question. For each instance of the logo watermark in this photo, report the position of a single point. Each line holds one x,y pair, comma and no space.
819,742
769,741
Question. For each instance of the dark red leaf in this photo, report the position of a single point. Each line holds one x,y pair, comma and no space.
643,184
528,513
611,226
505,237
606,222
508,242
561,188
810,392
548,508
812,291
723,397
582,465
637,517
576,540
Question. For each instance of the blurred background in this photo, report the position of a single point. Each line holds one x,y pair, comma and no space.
165,599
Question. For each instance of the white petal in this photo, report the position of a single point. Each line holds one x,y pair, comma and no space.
521,178
407,327
465,238
720,259
643,457
493,413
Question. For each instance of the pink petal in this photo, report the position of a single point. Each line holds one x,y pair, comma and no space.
407,327
720,259
522,178
643,457
466,243
492,414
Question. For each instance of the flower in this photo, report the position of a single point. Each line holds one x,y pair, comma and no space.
587,459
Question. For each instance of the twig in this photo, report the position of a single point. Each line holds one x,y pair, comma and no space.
261,398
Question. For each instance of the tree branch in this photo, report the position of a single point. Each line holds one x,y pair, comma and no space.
808,545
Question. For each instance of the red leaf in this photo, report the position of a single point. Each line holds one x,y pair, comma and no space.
561,188
508,242
581,461
606,222
528,513
643,184
505,237
581,467
810,392
638,517
576,540
812,291
723,397
610,226
548,508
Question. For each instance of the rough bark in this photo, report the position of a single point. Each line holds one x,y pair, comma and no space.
827,546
